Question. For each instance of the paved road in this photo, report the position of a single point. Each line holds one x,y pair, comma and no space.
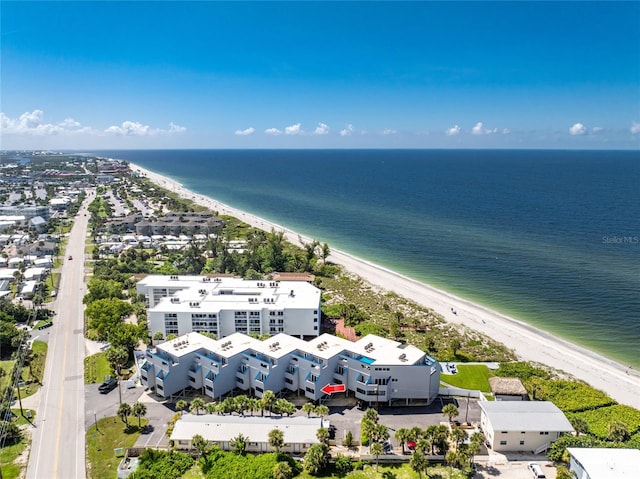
58,448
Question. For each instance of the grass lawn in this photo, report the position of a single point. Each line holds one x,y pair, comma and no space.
8,455
194,473
110,434
7,367
96,367
39,351
21,420
470,376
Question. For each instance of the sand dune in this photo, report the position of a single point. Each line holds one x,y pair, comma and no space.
529,343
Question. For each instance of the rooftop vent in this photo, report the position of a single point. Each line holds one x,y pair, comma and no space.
173,277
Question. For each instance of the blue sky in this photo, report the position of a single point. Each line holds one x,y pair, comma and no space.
89,75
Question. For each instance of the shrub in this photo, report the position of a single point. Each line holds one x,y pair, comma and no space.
569,396
600,419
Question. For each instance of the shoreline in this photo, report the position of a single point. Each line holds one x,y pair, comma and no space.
529,343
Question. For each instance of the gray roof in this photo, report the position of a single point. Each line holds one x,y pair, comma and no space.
525,416
601,463
215,428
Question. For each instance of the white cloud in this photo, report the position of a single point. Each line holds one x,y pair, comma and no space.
248,131
479,129
635,127
578,129
596,129
173,128
322,129
506,131
273,131
293,129
348,131
388,131
134,128
455,130
32,123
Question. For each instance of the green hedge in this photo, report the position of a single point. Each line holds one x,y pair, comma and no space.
569,396
599,419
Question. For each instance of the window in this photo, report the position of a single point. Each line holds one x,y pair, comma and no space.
503,443
522,443
310,390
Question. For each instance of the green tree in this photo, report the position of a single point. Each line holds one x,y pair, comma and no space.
419,464
450,411
317,458
348,440
197,405
200,444
268,400
323,435
117,357
181,405
239,443
102,289
580,425
343,464
458,436
276,439
321,410
371,415
402,435
617,431
124,411
282,470
376,450
139,410
308,408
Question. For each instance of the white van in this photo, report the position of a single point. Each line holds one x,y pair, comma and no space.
536,470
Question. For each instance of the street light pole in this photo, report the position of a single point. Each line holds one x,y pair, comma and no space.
95,420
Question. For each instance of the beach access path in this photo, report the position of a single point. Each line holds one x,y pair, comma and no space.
529,343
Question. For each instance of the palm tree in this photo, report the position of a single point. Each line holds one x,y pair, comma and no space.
308,407
268,400
372,415
321,410
139,410
402,435
241,404
323,435
200,444
276,439
197,405
239,443
181,405
458,436
376,450
211,407
450,410
379,433
419,464
254,405
124,411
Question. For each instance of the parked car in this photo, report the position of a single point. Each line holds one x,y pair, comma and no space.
70,257
536,470
108,386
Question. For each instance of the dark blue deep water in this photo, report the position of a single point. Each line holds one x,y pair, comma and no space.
549,237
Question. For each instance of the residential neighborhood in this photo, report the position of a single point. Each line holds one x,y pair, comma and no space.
149,327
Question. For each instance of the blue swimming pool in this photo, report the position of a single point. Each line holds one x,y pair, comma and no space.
367,360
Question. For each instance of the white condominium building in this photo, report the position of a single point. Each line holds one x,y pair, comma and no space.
225,305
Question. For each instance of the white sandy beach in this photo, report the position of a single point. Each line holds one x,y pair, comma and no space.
529,343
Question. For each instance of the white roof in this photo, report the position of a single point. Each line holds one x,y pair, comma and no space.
231,293
525,416
387,352
297,429
601,463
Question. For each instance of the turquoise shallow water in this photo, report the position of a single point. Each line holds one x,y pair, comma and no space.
549,237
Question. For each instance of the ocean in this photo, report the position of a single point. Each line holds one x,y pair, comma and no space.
551,237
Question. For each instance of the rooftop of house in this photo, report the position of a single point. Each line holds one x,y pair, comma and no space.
603,463
525,416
